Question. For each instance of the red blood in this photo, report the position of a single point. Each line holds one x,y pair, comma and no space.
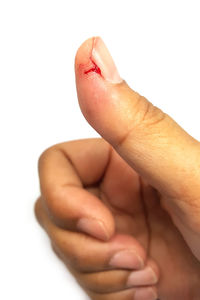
95,68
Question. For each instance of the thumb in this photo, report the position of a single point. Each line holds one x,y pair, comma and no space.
147,138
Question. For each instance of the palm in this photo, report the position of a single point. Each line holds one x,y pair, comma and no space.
138,212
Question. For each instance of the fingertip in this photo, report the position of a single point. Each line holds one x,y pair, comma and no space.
102,93
83,55
95,228
154,266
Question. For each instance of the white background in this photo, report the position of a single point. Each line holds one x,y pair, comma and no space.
156,47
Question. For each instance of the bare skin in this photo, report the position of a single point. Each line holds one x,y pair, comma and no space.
135,193
151,227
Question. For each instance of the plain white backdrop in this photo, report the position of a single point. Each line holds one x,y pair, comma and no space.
156,47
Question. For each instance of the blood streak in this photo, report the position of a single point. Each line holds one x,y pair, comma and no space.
95,68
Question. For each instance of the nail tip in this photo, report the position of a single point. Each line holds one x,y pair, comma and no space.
145,293
145,276
103,59
93,227
126,259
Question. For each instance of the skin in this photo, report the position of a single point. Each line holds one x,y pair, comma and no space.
140,181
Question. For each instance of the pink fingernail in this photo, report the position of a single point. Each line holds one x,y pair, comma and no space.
103,63
93,227
126,259
142,277
145,294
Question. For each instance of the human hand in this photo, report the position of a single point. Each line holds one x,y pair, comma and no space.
154,213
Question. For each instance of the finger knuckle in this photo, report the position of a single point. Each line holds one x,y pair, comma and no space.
53,197
147,120
51,193
81,261
37,210
147,114
77,257
45,156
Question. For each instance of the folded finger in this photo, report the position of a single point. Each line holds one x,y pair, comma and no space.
143,293
86,254
117,280
65,170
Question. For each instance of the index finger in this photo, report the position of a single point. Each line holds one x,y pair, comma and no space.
67,171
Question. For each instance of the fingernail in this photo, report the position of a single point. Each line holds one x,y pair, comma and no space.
145,294
93,227
142,277
126,259
102,58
